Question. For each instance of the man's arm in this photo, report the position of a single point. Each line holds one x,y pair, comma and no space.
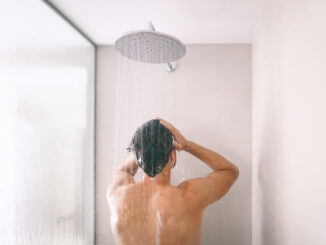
124,175
206,190
216,184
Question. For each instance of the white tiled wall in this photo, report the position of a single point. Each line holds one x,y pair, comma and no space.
208,98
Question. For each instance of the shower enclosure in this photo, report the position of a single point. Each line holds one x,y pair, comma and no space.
47,79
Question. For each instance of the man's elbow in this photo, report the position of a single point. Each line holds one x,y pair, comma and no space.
109,192
235,171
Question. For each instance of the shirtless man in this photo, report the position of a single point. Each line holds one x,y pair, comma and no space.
153,212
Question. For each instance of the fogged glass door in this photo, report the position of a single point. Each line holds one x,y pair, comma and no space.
46,128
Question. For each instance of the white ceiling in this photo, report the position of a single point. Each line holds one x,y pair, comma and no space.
33,24
192,21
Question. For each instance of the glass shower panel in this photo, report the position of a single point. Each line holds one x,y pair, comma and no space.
46,130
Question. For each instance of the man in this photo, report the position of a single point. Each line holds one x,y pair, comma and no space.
152,211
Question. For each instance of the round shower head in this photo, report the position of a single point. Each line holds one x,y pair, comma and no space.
150,47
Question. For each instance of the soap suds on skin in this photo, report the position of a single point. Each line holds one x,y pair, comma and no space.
158,225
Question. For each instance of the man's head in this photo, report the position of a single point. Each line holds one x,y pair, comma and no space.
152,145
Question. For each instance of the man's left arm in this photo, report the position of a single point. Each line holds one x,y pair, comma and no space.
124,175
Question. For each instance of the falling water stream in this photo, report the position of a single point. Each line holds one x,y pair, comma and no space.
143,92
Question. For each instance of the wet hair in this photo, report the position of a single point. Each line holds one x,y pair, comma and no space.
151,145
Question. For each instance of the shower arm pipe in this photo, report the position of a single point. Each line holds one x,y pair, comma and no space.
170,66
151,27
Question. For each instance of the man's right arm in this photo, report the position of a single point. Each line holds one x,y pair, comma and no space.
206,190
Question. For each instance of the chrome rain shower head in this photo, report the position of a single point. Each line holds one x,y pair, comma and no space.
150,46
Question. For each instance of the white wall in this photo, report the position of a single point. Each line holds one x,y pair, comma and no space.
208,98
289,124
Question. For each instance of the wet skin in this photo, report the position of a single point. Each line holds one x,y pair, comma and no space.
153,211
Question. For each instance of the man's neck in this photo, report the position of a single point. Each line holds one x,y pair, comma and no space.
162,178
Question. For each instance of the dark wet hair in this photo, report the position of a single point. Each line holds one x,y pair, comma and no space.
151,144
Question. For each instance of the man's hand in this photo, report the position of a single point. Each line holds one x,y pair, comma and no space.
129,165
179,141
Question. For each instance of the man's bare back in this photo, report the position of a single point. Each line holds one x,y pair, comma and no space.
158,214
154,212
